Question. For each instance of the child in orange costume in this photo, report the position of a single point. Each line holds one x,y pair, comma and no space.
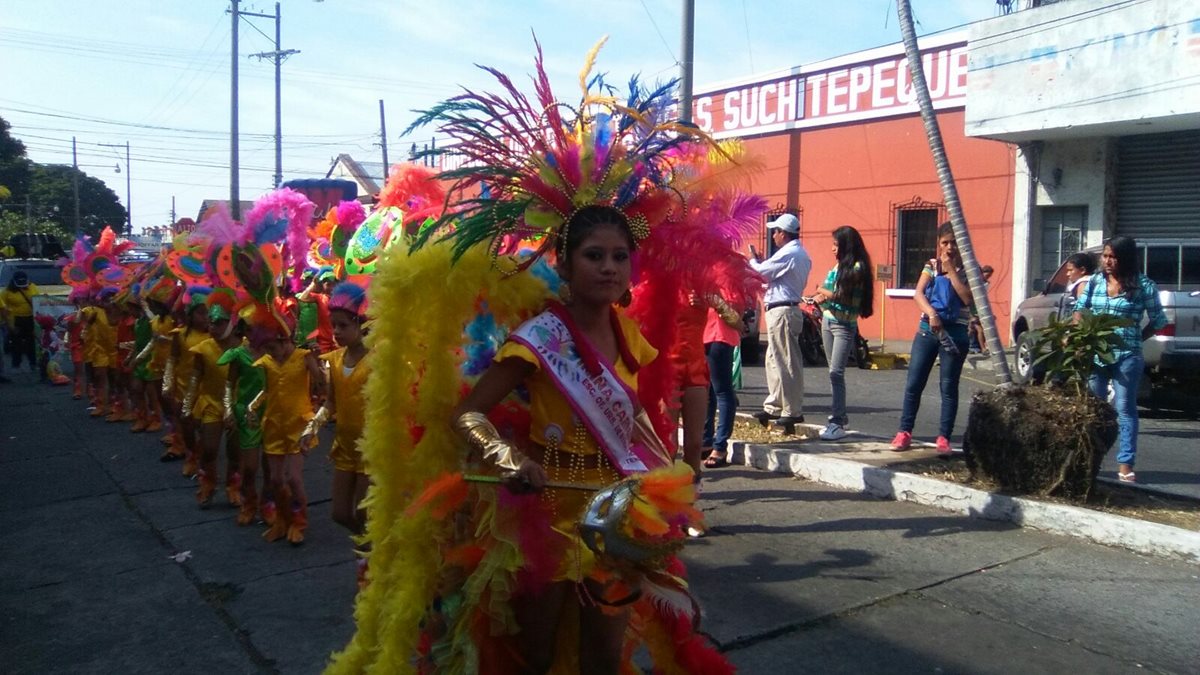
283,411
205,400
123,315
75,343
193,332
349,368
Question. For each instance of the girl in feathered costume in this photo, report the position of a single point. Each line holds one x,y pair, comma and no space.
205,400
192,331
506,572
349,368
95,273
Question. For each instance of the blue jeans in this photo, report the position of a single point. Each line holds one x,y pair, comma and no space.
925,348
721,396
838,339
1125,376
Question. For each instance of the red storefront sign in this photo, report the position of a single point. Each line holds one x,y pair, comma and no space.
834,92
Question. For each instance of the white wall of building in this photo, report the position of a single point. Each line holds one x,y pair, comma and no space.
1058,173
1085,68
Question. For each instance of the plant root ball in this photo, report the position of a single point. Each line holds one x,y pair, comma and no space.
1039,440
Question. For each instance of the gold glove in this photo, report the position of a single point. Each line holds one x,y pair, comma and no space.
168,376
227,401
479,431
189,399
257,402
727,314
144,354
308,439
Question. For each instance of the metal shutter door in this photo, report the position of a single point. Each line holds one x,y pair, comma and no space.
1158,185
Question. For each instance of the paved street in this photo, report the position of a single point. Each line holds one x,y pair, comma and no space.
795,577
1168,444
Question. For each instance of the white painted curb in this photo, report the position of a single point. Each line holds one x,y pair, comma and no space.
1073,521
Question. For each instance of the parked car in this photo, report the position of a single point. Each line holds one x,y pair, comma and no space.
44,272
1172,354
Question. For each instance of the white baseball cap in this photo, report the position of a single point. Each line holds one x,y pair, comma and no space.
786,222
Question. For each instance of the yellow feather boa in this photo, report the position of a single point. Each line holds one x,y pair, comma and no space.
420,304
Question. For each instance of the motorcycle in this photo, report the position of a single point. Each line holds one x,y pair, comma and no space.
812,346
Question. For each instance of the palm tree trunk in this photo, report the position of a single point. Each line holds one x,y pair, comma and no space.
950,193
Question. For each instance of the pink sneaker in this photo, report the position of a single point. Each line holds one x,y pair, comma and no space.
902,441
943,446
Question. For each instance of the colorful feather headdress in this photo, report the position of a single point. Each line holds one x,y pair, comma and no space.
349,297
537,162
97,267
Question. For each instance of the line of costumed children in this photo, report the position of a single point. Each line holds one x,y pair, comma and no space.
504,444
525,510
203,343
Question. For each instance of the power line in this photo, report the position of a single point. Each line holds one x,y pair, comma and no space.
165,105
660,35
138,125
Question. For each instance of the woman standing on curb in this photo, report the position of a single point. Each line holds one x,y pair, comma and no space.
1120,290
848,293
945,300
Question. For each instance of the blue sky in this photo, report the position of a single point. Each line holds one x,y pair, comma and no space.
155,73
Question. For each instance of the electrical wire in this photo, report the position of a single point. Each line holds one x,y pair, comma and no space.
660,34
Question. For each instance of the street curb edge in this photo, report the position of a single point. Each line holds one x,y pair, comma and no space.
1099,527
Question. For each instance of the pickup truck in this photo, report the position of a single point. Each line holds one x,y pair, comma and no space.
1172,354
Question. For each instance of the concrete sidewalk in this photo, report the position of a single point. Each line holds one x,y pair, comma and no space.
794,576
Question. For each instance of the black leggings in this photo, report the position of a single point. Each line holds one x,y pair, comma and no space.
21,342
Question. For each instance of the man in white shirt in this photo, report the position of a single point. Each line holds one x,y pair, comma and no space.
786,273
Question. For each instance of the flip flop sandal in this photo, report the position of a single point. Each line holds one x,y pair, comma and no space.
1130,477
715,461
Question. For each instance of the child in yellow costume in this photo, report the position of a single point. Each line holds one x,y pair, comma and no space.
193,331
205,402
103,336
349,368
283,411
87,339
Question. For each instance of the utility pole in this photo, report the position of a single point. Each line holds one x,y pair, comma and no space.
172,209
128,184
128,192
277,57
383,141
75,183
235,199
685,68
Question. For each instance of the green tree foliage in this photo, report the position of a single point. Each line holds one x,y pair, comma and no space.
16,223
45,193
53,199
14,165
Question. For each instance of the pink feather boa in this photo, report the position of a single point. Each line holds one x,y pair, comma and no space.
350,214
298,211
